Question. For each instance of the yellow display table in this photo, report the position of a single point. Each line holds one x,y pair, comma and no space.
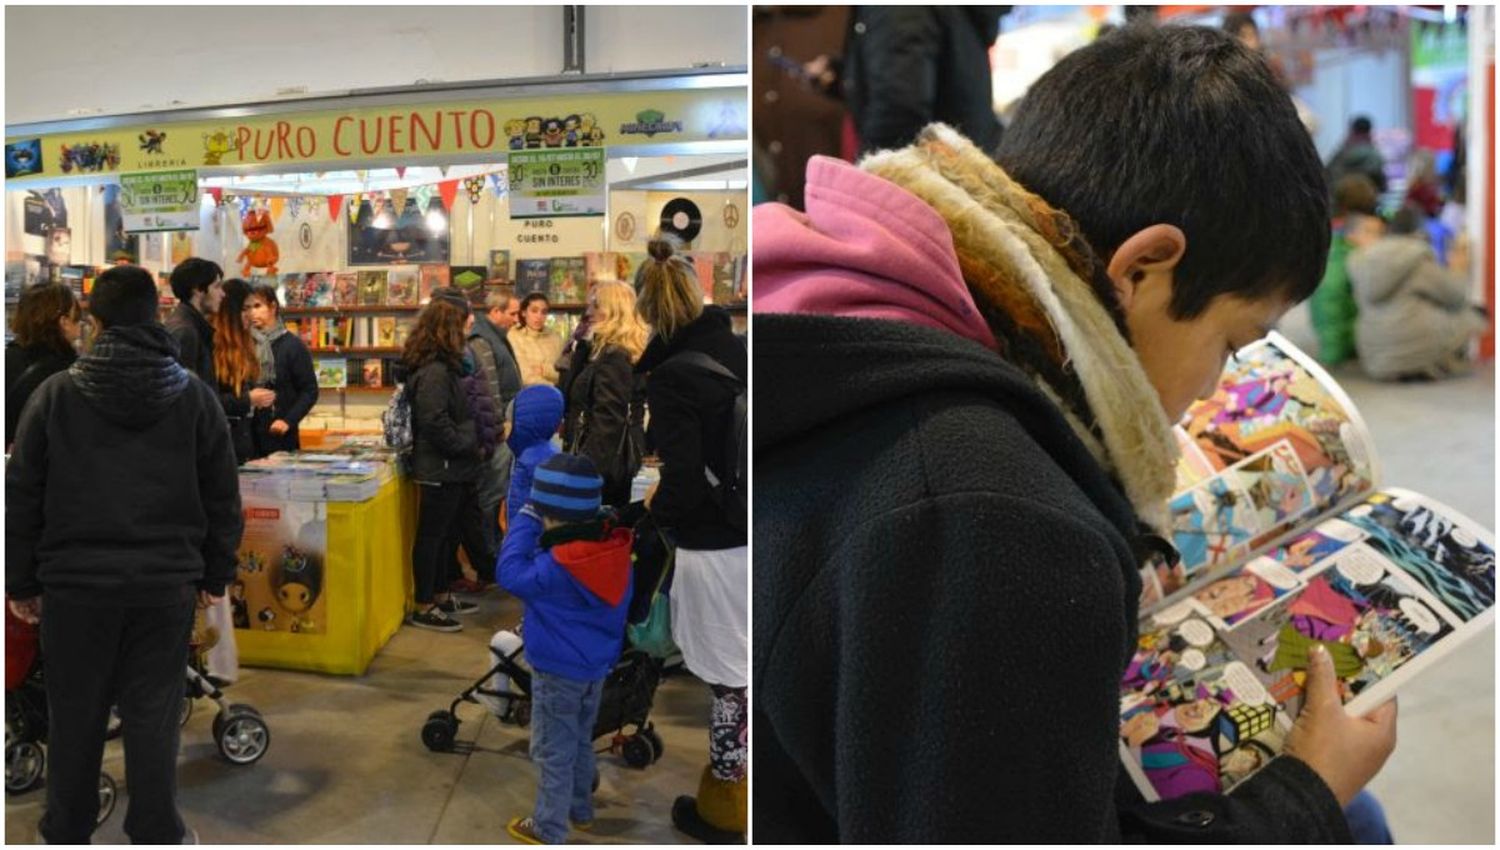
323,585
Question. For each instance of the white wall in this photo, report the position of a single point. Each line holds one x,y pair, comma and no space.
129,59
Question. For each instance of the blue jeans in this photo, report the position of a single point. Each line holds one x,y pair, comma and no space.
563,712
1367,820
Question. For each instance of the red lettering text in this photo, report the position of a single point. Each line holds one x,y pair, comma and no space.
368,147
434,142
484,140
307,142
241,141
458,128
395,127
338,129
283,134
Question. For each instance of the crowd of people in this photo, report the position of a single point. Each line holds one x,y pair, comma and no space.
504,412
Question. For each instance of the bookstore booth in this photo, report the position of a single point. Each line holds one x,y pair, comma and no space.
356,208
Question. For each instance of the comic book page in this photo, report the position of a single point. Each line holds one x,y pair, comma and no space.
1388,587
1277,446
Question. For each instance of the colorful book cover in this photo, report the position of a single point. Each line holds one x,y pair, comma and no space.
432,277
403,330
568,280
333,373
292,294
499,271
723,278
532,276
470,281
346,289
703,266
374,373
372,288
401,287
612,265
317,290
385,331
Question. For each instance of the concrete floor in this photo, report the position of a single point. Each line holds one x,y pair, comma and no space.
347,766
1437,439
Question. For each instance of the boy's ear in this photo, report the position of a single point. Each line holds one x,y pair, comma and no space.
1154,250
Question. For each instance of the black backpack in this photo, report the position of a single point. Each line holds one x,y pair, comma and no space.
732,493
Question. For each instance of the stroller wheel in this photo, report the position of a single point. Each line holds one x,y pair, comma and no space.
522,713
187,711
657,747
25,762
242,734
439,731
637,751
106,797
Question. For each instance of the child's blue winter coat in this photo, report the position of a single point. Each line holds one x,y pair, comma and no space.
576,594
537,413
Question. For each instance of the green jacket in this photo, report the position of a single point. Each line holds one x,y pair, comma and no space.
1333,308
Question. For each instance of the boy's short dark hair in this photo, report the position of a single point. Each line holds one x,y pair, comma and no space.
1355,193
194,274
1361,125
1183,126
268,292
123,296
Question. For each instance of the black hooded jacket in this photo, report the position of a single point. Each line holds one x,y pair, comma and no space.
945,603
122,487
908,66
689,411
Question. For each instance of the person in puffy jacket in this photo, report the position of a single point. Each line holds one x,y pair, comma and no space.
122,514
46,326
446,457
537,412
1415,319
568,561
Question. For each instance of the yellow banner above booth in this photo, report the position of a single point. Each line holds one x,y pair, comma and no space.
330,138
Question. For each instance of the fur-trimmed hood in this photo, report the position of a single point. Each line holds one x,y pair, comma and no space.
942,206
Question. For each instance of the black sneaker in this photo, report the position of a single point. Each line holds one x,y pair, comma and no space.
435,619
452,605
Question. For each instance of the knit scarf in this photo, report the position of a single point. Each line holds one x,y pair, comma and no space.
263,352
1043,292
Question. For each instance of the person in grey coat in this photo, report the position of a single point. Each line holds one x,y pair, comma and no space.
1415,316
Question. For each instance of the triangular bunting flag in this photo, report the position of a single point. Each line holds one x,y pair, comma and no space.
400,172
277,204
448,189
334,202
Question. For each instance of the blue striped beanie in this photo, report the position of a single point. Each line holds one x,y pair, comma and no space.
567,487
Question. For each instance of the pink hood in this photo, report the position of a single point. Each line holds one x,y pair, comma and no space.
866,248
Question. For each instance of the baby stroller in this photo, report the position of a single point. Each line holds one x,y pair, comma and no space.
505,690
26,715
239,730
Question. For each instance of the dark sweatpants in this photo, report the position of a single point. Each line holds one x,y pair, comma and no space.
95,657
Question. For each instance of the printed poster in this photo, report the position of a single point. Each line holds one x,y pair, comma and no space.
279,585
155,201
557,183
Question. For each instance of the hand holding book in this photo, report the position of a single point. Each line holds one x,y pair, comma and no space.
1345,751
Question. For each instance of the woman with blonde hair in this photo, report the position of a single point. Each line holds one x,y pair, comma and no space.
606,400
692,407
237,367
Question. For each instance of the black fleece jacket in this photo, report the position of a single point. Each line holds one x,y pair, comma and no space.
945,602
21,379
690,409
296,386
122,486
605,398
446,446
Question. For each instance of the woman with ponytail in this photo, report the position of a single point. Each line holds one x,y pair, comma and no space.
691,413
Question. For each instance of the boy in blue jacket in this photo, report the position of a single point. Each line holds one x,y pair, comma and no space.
537,413
567,561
